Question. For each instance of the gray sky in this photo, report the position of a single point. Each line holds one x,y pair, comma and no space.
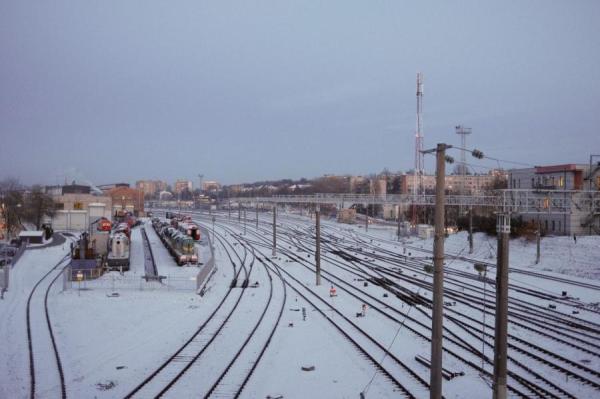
243,91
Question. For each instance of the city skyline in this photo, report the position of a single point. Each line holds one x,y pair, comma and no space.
248,93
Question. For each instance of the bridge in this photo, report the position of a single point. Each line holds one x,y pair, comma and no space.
514,201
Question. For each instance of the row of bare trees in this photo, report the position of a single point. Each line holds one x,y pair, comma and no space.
20,204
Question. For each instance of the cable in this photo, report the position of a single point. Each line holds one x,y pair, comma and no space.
492,158
366,388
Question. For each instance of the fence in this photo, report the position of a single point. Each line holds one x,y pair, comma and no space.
114,281
19,253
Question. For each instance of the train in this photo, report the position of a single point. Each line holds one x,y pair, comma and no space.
190,229
184,224
180,245
123,228
118,251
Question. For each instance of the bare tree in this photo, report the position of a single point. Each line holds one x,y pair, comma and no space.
11,204
37,205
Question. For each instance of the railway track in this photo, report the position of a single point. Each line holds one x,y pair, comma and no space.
222,337
550,386
175,366
46,374
463,338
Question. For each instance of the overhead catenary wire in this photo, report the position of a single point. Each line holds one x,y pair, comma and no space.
368,385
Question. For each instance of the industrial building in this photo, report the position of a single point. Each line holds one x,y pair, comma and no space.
127,199
570,177
77,207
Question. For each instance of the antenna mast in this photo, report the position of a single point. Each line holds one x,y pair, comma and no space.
419,161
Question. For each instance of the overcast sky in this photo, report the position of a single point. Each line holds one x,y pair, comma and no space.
244,91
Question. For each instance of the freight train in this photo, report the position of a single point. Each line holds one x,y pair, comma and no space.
179,245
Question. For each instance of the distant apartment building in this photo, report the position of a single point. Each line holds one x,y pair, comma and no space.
211,185
378,186
182,185
150,187
570,177
467,184
357,183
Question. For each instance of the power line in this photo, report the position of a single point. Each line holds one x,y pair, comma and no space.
474,151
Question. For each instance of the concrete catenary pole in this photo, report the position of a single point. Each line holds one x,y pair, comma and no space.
438,276
501,327
471,230
229,210
318,243
537,242
239,212
245,221
257,215
275,230
366,217
399,222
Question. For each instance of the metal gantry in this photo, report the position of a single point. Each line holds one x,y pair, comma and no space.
514,201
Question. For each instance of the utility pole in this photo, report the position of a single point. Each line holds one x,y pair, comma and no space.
470,229
438,275
366,217
239,212
318,243
501,331
245,221
537,242
213,233
229,210
398,217
275,230
256,215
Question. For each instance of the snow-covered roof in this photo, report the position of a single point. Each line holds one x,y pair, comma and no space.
35,233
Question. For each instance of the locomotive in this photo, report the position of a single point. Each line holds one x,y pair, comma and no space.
179,245
190,229
118,251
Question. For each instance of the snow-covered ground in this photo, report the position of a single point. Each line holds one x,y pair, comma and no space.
109,343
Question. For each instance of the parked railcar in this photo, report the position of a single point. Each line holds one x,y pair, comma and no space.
123,228
119,251
190,229
179,245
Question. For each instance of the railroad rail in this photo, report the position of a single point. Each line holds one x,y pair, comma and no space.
30,336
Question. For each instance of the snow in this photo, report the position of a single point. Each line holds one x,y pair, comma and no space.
110,342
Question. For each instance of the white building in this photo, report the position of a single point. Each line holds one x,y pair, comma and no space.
571,177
